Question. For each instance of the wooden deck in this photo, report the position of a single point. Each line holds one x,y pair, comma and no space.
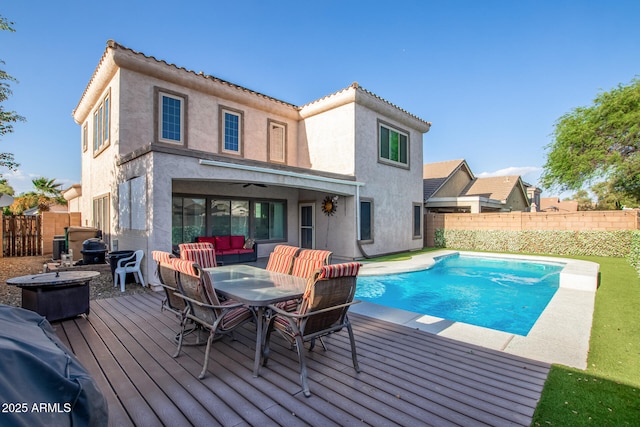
408,377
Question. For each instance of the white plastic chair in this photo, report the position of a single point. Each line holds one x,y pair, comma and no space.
129,265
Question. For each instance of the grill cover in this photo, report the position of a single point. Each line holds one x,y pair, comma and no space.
93,245
40,375
93,251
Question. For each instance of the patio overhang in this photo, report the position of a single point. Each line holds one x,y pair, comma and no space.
475,204
288,178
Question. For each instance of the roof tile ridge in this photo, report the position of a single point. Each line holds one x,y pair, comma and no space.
114,44
358,87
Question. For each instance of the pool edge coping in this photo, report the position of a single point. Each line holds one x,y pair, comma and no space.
560,335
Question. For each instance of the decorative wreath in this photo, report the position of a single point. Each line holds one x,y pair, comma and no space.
329,205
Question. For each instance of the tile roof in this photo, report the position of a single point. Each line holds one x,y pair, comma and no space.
495,187
111,44
441,169
435,175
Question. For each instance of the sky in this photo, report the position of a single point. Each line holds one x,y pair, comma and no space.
493,76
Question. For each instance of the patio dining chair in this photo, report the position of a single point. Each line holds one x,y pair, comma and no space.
321,312
129,265
203,254
281,259
204,308
309,260
169,281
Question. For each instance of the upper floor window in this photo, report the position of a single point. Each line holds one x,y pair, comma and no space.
101,123
277,142
393,145
231,128
171,118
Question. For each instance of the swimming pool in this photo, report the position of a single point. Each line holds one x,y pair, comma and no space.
502,294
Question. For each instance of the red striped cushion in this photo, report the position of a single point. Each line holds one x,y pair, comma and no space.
286,250
279,263
202,245
303,267
315,254
205,258
340,270
183,266
235,316
161,256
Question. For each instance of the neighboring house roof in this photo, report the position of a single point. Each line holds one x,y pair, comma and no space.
494,187
53,208
554,204
445,188
437,174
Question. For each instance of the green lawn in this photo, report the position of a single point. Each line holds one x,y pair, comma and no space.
607,393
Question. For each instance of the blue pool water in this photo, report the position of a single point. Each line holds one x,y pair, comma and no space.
502,294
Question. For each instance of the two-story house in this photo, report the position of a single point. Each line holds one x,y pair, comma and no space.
169,154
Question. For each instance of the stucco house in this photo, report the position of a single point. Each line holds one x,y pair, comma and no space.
450,186
169,154
554,204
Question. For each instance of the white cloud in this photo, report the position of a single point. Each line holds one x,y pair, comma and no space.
512,170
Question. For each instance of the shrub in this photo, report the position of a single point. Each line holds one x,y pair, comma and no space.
619,243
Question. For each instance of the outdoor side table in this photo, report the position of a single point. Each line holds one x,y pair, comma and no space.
57,295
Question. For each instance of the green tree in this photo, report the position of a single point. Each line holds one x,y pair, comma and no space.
47,192
7,118
584,200
5,188
610,199
598,143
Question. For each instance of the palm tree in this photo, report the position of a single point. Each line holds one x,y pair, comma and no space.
47,192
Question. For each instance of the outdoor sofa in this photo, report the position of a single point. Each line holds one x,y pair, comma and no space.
232,249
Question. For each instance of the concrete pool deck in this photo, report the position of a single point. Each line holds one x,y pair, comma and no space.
560,335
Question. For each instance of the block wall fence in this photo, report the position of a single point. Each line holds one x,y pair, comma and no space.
53,224
521,221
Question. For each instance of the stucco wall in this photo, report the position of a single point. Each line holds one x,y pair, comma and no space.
330,138
392,189
99,169
203,116
454,186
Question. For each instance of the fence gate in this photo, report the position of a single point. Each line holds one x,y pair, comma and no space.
21,235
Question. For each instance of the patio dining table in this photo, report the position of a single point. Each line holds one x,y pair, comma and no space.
257,289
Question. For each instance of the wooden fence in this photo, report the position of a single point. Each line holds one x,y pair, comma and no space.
21,235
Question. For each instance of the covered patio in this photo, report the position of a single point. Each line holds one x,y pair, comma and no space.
408,377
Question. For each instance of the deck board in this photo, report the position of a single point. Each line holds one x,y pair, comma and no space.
408,377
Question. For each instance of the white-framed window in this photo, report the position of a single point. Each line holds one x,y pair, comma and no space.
100,216
171,117
277,141
393,145
101,125
231,131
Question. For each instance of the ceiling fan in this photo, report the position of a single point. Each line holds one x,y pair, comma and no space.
251,183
